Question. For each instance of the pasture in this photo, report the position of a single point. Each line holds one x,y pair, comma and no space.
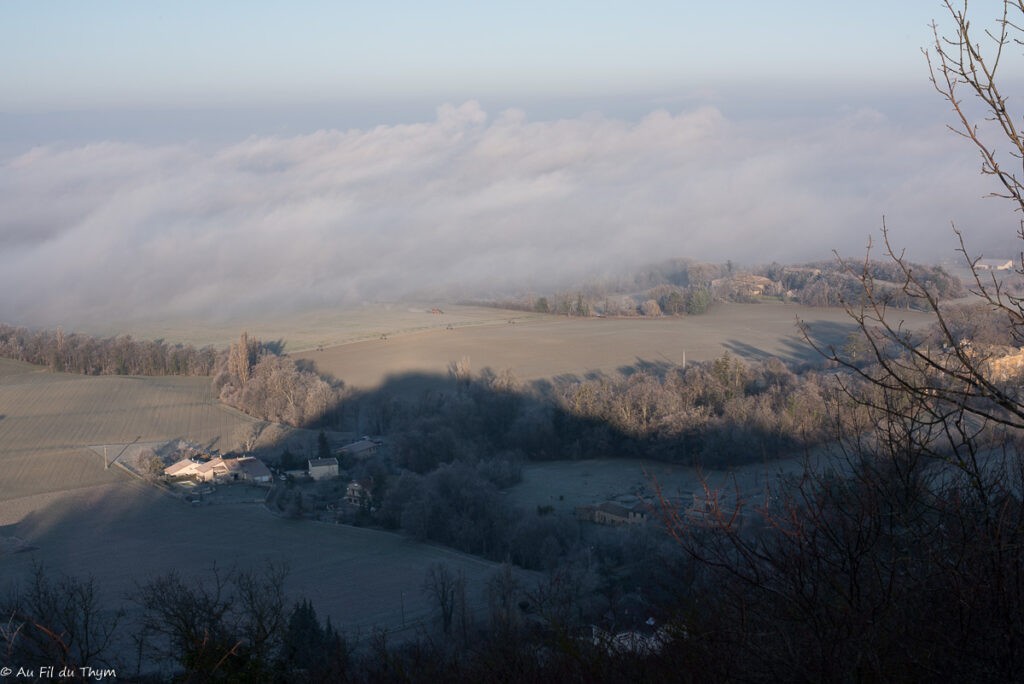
540,347
48,421
310,329
121,534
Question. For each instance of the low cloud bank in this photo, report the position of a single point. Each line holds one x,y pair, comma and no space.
116,231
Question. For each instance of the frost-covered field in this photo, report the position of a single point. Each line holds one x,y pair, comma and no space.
550,346
125,533
48,421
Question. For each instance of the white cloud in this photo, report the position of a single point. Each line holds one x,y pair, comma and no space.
120,230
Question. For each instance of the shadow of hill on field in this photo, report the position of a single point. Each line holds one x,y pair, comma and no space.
795,351
657,368
640,412
362,577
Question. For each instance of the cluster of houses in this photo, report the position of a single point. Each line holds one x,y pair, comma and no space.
221,469
327,468
995,264
224,469
358,492
998,363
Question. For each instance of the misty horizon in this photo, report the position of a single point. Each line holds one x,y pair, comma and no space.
471,201
242,158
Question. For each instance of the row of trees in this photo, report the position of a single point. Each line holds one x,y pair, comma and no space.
88,355
250,375
832,284
683,406
685,287
663,299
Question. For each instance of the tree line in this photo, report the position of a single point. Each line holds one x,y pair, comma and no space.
452,451
221,625
726,411
833,283
119,355
249,375
718,413
687,287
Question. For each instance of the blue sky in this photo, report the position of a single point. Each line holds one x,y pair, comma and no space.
102,55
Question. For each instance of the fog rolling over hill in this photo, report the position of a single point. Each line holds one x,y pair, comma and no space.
584,370
471,201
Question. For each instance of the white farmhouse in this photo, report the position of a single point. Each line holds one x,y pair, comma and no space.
323,468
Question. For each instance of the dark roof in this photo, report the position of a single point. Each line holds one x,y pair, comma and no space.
253,467
359,447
